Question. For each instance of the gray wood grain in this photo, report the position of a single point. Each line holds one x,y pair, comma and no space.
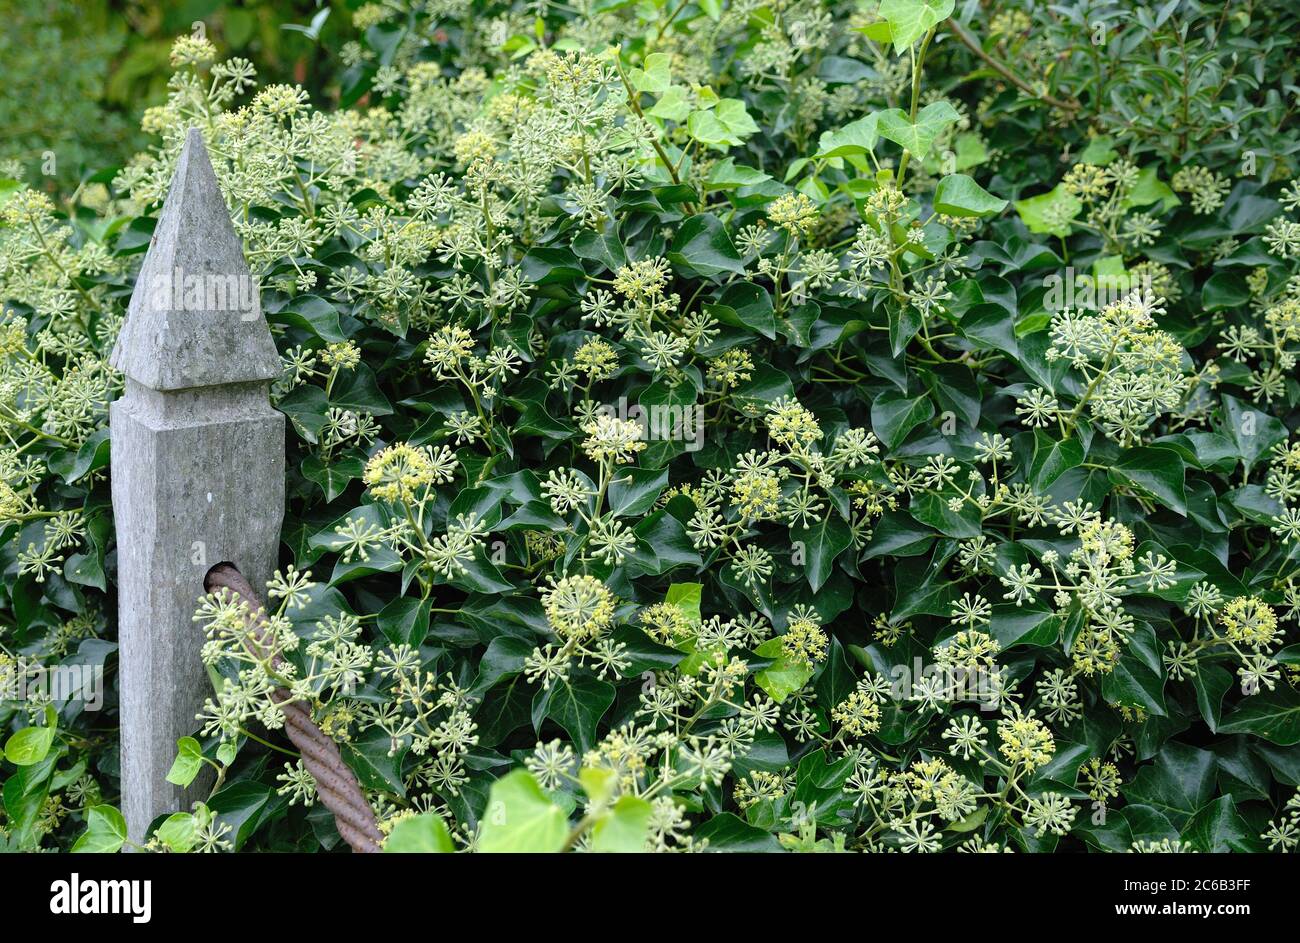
197,470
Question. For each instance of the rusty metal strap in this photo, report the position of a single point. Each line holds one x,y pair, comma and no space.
336,784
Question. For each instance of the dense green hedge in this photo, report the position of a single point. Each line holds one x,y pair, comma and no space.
751,426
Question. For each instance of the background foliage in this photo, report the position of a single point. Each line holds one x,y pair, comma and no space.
78,76
840,230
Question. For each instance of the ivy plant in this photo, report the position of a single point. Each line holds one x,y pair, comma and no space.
807,426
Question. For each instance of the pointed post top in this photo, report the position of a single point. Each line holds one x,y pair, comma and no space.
195,317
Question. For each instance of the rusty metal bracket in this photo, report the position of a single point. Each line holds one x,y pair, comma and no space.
336,784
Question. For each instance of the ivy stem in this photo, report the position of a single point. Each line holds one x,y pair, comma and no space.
918,60
636,109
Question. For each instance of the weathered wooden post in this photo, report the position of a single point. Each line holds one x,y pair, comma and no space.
197,469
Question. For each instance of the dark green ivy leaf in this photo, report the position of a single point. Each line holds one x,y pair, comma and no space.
703,247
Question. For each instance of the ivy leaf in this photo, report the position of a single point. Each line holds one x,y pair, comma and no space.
306,406
909,20
1218,827
93,455
624,828
904,324
819,791
1050,212
728,175
405,621
674,105
1149,188
1224,290
1052,458
643,653
358,390
1147,823
727,832
520,818
605,249
241,806
785,675
959,195
179,832
656,75
856,137
921,588
369,759
188,762
86,569
1253,433
989,326
1272,715
664,539
598,783
931,508
894,415
746,304
504,710
1133,683
1022,625
315,313
105,832
24,796
1212,683
686,597
29,746
898,534
703,247
768,384
1159,472
957,390
836,680
421,834
1100,151
821,544
731,112
504,658
332,477
722,127
634,491
919,135
1178,784
576,704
